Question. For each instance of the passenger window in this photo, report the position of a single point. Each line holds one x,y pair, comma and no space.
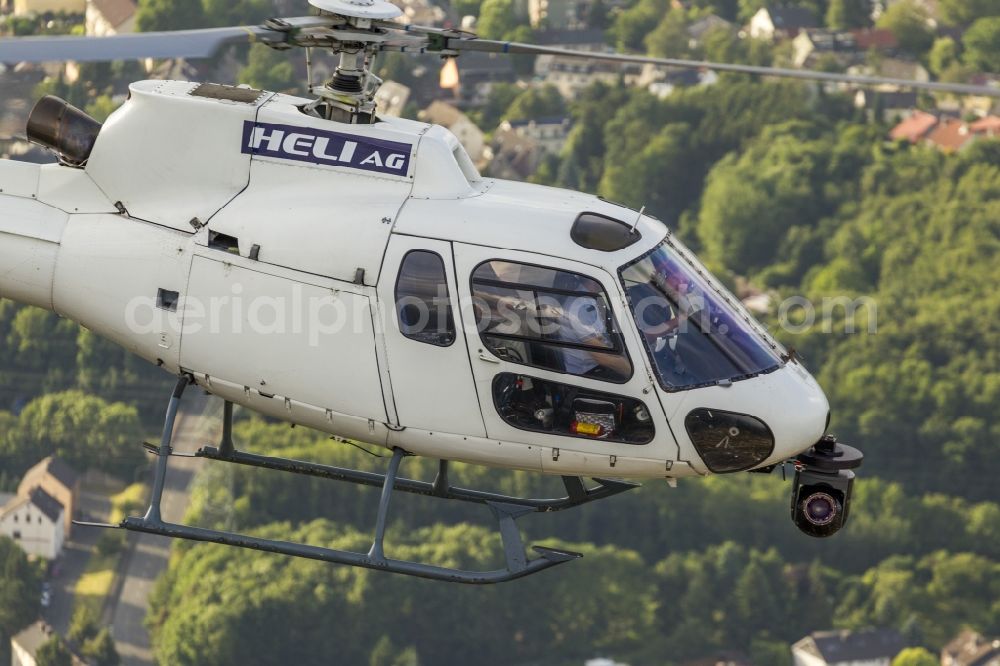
549,319
423,307
536,404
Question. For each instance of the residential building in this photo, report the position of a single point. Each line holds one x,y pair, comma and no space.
572,75
886,106
39,7
871,647
954,134
970,648
449,117
519,146
35,521
914,128
893,68
391,98
471,77
421,12
809,45
698,29
563,14
592,39
57,479
780,22
110,17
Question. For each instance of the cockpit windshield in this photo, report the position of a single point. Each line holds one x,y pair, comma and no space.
693,333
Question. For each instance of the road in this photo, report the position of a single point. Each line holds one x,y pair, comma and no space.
149,554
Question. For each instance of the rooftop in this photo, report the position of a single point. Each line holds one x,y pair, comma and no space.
915,127
114,12
53,466
785,18
846,646
47,504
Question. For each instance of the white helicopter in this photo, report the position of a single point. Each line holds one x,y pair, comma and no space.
311,261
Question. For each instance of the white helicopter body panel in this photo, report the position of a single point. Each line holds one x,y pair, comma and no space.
204,231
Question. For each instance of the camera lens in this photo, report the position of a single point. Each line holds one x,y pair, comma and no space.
820,508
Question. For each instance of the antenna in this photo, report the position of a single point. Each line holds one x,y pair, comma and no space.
637,219
309,69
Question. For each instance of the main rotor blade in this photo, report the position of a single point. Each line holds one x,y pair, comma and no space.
459,45
133,46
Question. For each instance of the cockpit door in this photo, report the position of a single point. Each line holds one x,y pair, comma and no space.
432,384
570,383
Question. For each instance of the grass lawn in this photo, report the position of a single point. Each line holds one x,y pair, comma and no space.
97,578
95,582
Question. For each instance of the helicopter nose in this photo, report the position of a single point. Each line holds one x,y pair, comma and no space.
800,414
755,422
29,244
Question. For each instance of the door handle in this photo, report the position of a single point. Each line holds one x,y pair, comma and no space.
483,356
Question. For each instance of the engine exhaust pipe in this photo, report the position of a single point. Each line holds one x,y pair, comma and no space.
64,129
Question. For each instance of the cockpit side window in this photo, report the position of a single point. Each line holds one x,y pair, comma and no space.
423,307
550,319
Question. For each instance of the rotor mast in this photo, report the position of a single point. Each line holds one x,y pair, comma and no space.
353,34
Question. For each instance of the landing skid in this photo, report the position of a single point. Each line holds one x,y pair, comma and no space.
505,509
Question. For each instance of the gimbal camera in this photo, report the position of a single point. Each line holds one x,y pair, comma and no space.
821,493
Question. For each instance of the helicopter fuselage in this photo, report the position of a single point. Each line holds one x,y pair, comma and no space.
366,281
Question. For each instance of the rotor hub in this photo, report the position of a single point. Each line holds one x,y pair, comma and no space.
368,9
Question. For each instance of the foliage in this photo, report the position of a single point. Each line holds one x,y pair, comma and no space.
908,21
82,429
83,625
496,19
963,12
848,14
943,54
915,656
101,649
535,103
982,44
19,590
53,653
156,15
268,69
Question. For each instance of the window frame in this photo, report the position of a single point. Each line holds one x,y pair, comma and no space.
620,347
395,298
596,393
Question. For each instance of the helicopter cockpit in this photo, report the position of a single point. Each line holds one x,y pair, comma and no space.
693,332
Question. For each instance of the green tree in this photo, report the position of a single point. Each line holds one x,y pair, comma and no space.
536,103
629,29
982,44
268,69
847,14
963,12
943,54
19,585
101,649
915,656
670,38
84,430
156,15
236,12
909,23
496,19
53,653
83,625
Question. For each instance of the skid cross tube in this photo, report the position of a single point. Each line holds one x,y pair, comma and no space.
577,492
506,510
